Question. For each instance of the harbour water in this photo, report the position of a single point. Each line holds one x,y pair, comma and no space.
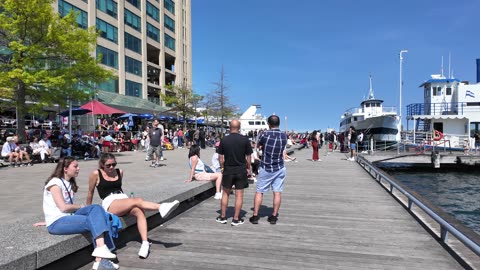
457,193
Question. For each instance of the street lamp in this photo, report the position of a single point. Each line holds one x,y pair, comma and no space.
401,84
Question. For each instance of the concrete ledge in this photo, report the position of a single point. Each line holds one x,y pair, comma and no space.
29,247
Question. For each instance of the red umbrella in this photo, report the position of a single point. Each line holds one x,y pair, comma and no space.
99,108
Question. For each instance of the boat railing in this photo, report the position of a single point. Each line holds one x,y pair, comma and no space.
380,110
443,108
425,141
448,224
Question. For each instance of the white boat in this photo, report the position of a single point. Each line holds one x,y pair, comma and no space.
251,121
373,119
449,115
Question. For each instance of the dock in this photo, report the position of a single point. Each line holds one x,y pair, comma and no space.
333,216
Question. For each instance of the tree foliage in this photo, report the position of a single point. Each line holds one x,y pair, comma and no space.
219,104
49,59
182,100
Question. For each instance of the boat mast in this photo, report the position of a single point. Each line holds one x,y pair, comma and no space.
370,92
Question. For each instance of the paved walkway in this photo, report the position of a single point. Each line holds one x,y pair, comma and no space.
333,216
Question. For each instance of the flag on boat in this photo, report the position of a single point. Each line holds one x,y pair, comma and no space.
469,93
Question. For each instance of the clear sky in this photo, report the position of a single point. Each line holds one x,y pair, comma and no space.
310,60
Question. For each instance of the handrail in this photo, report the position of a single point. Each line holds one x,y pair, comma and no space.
446,227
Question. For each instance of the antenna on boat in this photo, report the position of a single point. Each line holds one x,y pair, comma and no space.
449,63
442,67
370,91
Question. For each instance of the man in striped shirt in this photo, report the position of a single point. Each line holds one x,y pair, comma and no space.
272,171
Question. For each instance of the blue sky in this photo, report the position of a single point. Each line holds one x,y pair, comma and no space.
310,60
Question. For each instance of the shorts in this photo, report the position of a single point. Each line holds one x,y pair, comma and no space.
155,149
353,146
112,197
275,179
203,176
239,180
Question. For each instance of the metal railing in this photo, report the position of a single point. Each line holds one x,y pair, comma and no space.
445,226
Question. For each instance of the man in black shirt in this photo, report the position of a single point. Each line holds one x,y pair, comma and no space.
156,140
234,156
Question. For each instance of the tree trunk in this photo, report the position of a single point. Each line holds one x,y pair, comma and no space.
21,111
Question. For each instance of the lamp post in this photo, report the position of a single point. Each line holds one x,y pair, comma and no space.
400,108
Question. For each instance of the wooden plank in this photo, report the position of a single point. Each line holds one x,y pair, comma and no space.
333,216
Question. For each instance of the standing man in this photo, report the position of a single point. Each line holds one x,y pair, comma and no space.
352,136
234,155
156,140
272,171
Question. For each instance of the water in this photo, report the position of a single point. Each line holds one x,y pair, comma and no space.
456,193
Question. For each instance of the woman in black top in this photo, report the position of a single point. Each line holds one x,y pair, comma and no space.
108,181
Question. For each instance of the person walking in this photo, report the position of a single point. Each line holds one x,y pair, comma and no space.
155,135
272,171
352,136
315,137
234,155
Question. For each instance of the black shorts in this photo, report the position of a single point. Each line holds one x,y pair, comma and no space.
239,180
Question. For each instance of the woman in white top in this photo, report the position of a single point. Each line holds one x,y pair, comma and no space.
63,217
38,149
202,172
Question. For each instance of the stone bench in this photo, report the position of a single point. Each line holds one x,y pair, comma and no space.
28,247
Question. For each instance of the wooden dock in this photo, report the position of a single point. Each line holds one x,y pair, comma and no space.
333,216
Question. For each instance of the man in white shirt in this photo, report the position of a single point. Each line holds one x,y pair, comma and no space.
8,150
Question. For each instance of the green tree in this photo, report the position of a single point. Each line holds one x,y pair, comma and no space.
49,59
182,100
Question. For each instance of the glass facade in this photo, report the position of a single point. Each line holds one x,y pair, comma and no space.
108,6
133,20
153,32
133,66
109,86
169,5
169,23
109,57
82,17
153,12
133,43
133,89
107,31
169,42
135,3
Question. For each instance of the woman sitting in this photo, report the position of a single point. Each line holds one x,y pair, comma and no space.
108,182
202,172
63,217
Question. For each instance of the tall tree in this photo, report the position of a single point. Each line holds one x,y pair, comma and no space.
182,99
220,100
46,59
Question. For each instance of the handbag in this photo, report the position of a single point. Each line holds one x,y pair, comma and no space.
208,169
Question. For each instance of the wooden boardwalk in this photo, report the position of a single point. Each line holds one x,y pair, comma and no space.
333,216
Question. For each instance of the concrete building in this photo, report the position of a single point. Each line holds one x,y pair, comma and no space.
147,43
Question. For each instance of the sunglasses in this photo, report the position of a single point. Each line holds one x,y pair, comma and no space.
111,165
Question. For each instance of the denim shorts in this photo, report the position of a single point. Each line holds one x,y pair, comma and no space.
353,146
275,179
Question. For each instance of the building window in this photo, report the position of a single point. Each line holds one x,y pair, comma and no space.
449,91
133,89
169,23
169,42
133,66
133,43
153,12
107,31
109,57
153,32
135,3
109,86
169,5
133,20
437,91
82,16
108,6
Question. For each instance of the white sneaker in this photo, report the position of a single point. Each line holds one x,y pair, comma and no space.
162,159
218,196
103,252
105,264
144,250
167,208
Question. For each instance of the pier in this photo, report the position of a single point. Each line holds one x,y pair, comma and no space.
334,215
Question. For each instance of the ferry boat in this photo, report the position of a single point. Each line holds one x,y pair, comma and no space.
449,115
373,119
251,121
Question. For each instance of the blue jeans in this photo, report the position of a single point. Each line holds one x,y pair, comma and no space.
180,141
91,218
67,152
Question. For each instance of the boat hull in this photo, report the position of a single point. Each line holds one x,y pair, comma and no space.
381,128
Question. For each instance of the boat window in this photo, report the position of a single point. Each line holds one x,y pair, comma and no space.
367,105
257,123
263,123
437,91
250,123
449,91
427,92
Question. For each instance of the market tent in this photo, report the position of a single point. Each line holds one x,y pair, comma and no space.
75,111
98,107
